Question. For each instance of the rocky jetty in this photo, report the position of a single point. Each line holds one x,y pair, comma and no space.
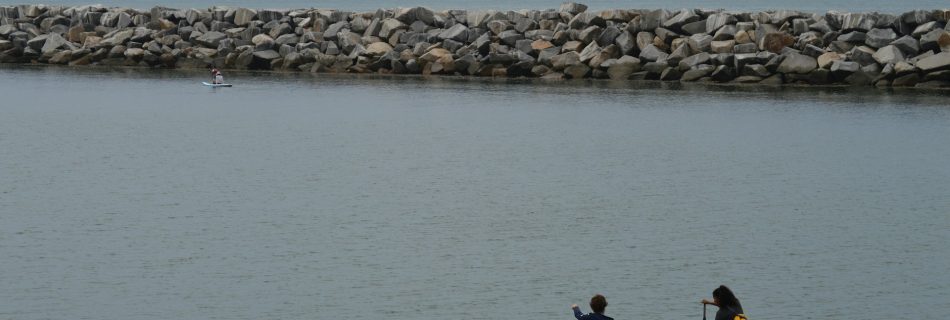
774,47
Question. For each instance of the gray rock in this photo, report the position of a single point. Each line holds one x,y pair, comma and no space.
907,44
727,32
608,36
586,19
498,26
244,16
578,71
37,42
457,32
745,48
698,72
287,39
925,28
694,60
670,74
211,39
626,42
682,17
841,69
821,26
903,67
334,29
694,27
722,46
797,63
510,37
909,80
854,36
700,42
572,8
888,54
878,38
650,20
718,20
813,51
54,42
644,39
652,53
623,68
589,34
757,70
931,40
564,60
936,62
388,27
856,22
723,74
590,51
863,55
268,15
781,16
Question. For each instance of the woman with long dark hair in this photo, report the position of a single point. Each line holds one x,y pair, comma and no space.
729,306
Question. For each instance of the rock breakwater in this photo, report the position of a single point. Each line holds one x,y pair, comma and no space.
775,47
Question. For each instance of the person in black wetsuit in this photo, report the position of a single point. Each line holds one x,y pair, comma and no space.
727,302
597,304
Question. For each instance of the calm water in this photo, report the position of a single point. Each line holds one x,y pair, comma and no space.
806,5
140,195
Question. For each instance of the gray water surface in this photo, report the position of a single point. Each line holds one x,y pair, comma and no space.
137,194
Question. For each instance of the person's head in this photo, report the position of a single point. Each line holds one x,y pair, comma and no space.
598,303
724,297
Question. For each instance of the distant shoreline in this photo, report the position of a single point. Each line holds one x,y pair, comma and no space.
782,47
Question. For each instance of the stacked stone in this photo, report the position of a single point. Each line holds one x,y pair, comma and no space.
774,47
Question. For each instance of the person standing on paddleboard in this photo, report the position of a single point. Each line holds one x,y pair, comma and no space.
729,306
216,76
598,303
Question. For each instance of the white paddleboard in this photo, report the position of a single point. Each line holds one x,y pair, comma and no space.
217,85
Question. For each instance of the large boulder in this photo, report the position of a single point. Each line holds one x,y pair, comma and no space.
389,26
378,48
776,42
932,40
855,21
652,53
586,19
36,44
564,60
908,45
878,38
797,63
888,54
264,59
623,68
244,16
211,39
935,62
718,20
457,32
572,8
682,17
54,42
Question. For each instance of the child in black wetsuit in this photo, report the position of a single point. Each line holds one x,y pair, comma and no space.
597,304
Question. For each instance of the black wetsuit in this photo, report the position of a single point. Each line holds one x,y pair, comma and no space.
590,316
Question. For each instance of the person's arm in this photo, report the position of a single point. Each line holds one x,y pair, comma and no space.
577,311
710,302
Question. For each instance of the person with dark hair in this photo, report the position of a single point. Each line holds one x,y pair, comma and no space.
597,304
729,306
216,76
